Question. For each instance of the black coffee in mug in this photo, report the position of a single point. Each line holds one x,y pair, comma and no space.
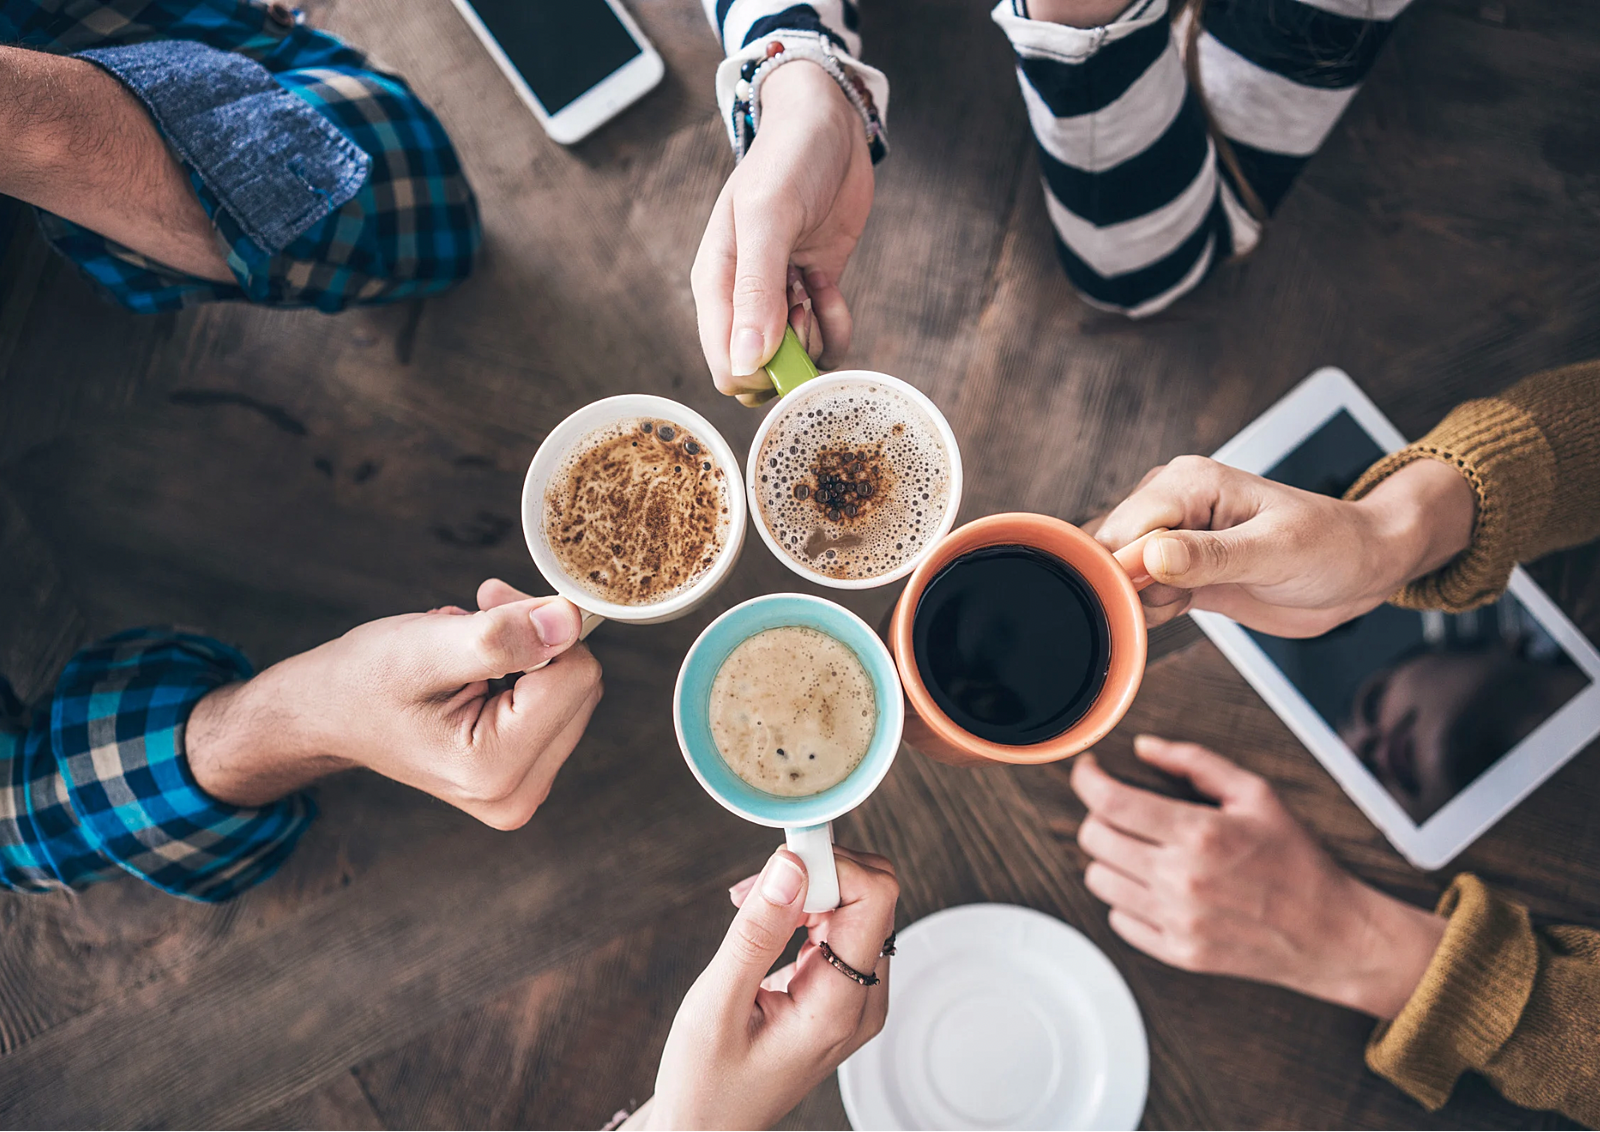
1012,644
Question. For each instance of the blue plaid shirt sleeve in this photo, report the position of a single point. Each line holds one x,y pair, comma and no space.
100,784
411,229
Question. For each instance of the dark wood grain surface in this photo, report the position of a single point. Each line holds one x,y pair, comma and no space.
276,478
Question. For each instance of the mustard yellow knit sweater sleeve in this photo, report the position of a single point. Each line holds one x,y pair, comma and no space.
1532,456
1517,1004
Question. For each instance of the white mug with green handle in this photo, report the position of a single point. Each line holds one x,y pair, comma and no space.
799,383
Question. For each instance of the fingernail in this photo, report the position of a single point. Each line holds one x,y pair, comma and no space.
1173,556
552,624
747,353
781,881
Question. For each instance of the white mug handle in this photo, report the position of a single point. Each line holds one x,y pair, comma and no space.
813,844
591,622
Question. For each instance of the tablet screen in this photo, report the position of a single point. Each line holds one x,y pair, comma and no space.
1427,701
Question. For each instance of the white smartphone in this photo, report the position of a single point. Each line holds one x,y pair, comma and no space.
1436,724
576,63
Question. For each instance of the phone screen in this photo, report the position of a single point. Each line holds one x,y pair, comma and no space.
1427,701
560,47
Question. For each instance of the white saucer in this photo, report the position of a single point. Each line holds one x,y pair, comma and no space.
1000,1017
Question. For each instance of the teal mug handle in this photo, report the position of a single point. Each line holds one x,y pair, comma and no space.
791,367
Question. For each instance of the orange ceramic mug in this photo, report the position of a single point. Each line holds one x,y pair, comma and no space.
1116,581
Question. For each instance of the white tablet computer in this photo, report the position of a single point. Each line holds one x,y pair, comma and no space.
1436,724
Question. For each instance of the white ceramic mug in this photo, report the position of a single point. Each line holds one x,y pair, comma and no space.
797,381
548,461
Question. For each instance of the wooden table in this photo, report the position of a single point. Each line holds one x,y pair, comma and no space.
277,478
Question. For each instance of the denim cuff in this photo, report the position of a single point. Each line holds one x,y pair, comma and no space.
275,164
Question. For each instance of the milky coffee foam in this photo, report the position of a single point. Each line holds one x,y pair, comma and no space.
853,482
792,711
637,512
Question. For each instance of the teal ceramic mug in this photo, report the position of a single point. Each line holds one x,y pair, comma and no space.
807,821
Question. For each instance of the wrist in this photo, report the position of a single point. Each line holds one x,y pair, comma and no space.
248,743
1420,518
1387,947
804,89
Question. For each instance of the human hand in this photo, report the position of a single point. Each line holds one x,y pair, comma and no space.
800,200
415,698
1281,560
746,1046
1241,888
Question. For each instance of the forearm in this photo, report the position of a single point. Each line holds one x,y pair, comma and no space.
1500,998
1387,947
79,145
249,743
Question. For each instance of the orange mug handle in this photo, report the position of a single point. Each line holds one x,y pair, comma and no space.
1131,559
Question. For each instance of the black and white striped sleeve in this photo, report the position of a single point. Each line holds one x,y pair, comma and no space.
1141,206
826,30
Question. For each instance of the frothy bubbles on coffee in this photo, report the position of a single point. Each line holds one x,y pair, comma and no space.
637,512
853,482
792,711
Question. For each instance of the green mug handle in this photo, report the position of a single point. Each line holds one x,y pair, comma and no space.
791,367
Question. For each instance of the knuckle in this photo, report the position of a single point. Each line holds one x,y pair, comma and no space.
753,286
881,864
1255,792
494,644
1190,884
585,668
1190,466
753,941
1207,838
889,884
1188,952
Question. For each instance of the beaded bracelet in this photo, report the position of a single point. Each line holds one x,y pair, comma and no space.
796,46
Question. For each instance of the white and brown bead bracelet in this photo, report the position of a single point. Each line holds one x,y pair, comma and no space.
792,48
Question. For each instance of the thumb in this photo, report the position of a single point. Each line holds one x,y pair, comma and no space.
1192,560
760,290
499,641
767,919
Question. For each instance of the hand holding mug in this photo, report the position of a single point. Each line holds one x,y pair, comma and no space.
800,197
1240,888
746,1045
411,698
1281,560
